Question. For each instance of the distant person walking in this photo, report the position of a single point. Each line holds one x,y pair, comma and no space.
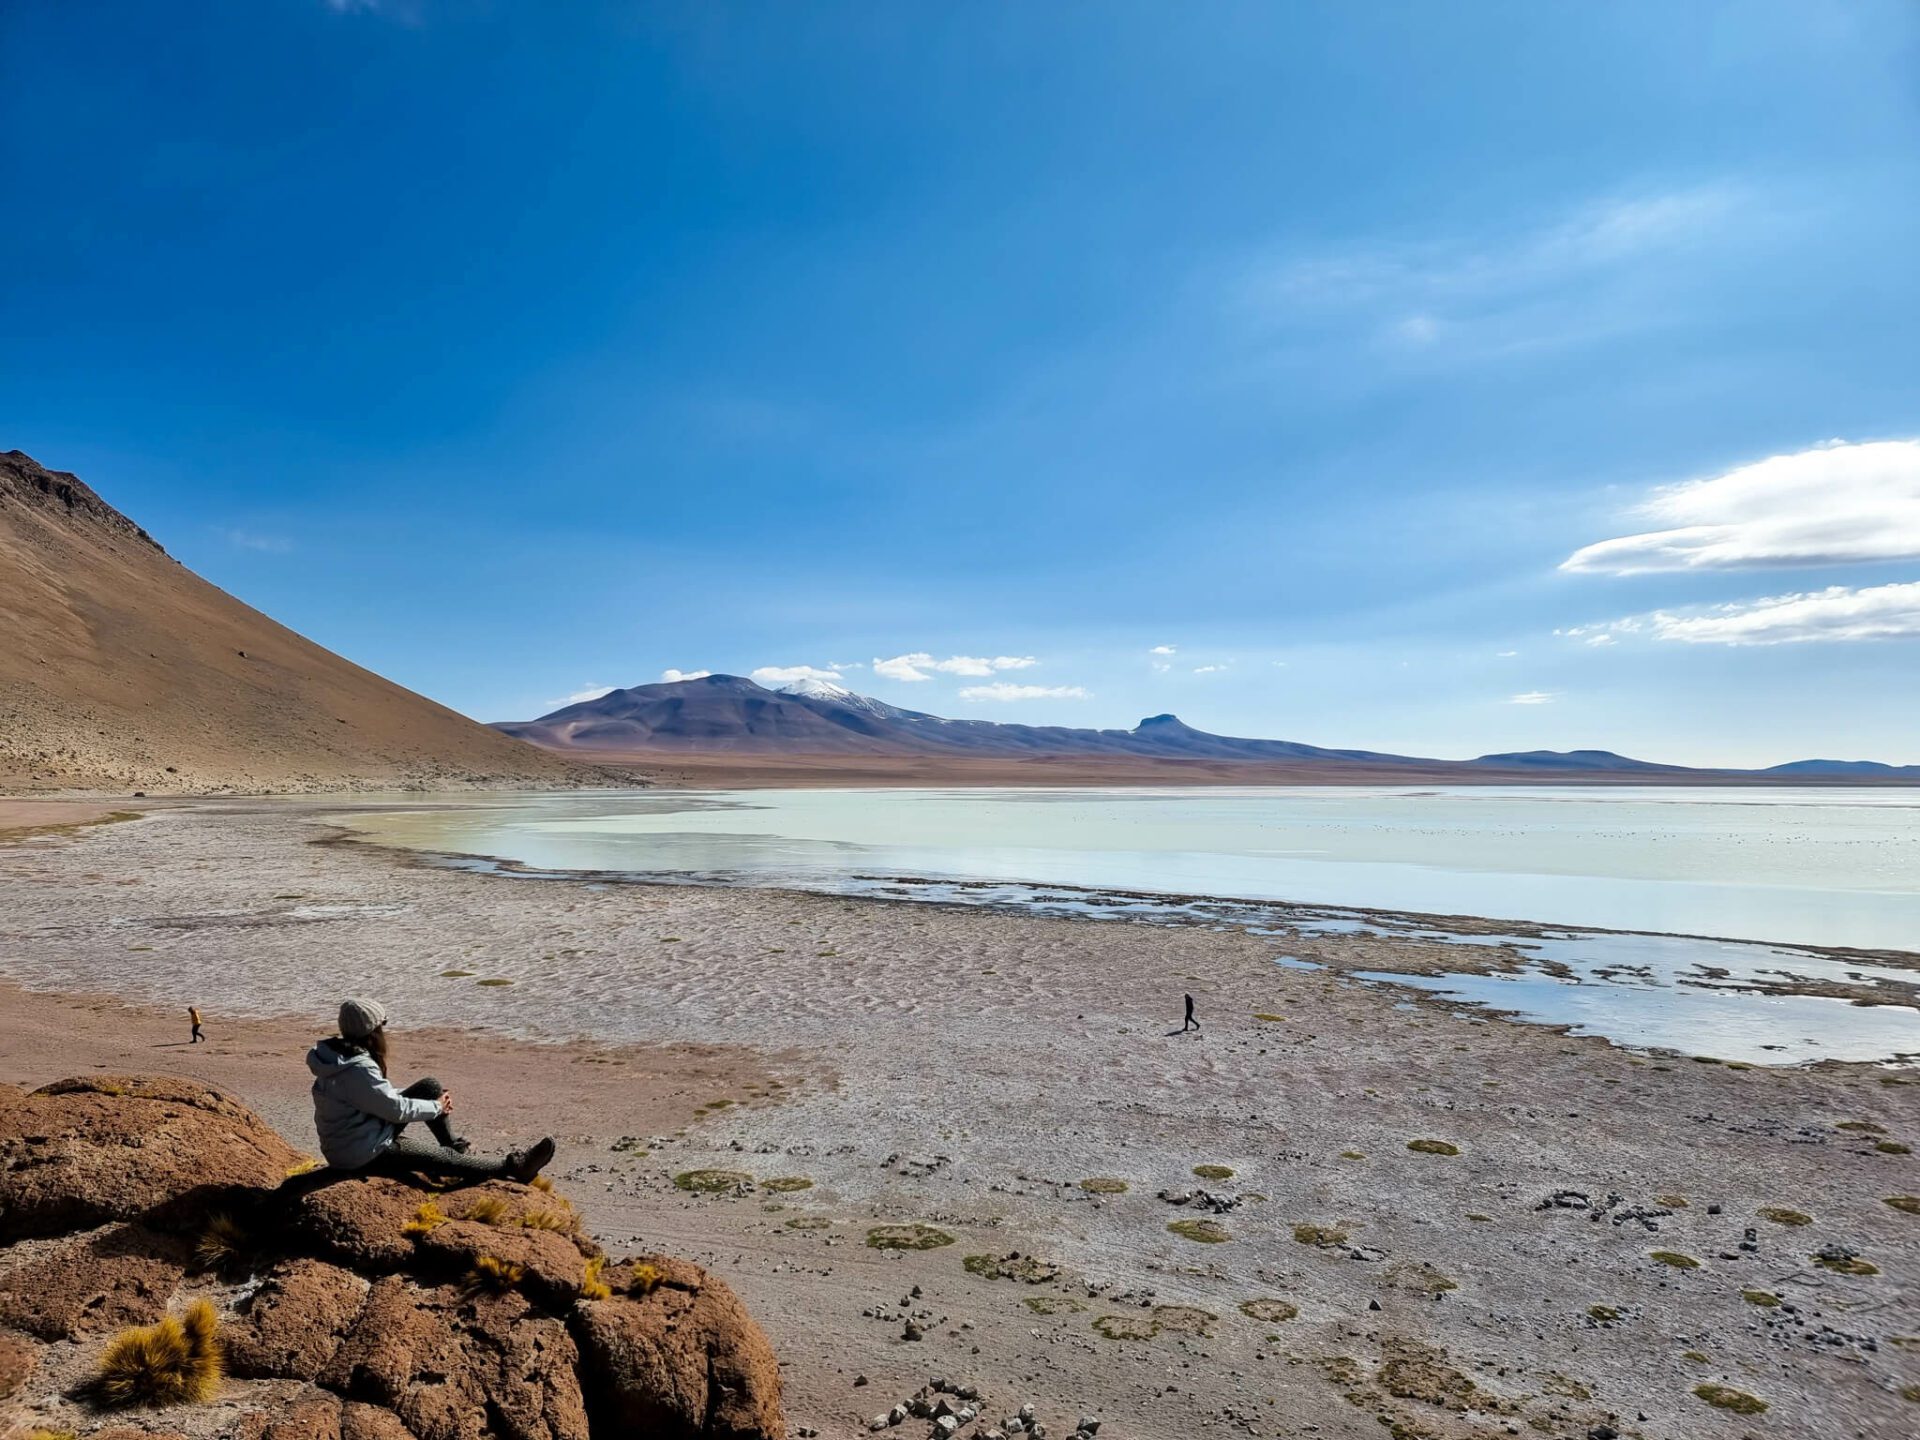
193,1015
1191,1023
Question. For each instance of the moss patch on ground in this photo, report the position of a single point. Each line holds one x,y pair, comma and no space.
1605,1314
1725,1397
1846,1265
1203,1232
1185,1320
907,1237
1765,1299
1322,1235
711,1182
1104,1185
1910,1204
1675,1259
1127,1327
1433,1147
1054,1304
1268,1311
1013,1266
783,1184
1214,1172
1781,1216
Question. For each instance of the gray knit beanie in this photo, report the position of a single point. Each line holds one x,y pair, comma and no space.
360,1018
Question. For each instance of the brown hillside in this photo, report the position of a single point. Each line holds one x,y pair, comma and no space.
121,669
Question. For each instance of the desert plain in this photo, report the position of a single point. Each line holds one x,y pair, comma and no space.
932,1141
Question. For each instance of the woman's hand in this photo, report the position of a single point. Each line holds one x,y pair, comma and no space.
446,1102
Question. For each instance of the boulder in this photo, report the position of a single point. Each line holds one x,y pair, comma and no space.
674,1352
460,1365
323,1416
356,1221
294,1322
79,1153
90,1284
551,1266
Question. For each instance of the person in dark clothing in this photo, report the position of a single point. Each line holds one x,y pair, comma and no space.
1191,1023
362,1119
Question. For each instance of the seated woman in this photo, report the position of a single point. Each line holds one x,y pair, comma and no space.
363,1120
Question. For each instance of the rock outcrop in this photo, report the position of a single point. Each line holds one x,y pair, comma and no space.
350,1308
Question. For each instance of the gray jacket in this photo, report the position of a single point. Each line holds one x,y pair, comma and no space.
356,1110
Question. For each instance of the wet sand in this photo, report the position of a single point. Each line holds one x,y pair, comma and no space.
966,1070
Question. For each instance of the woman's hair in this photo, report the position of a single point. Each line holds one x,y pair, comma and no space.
374,1044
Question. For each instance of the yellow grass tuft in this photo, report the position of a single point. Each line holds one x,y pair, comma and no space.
488,1210
644,1279
222,1245
425,1221
306,1166
546,1220
542,1182
492,1273
173,1362
595,1288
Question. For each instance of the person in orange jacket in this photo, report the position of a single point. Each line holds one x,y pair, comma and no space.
193,1014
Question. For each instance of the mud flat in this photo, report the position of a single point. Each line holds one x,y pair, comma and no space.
1343,1207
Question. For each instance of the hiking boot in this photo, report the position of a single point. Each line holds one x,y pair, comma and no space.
523,1165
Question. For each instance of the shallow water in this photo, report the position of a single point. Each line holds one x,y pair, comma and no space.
1813,867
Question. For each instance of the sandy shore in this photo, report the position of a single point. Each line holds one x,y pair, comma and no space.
967,1070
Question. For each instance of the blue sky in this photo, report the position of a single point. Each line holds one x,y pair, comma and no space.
1335,352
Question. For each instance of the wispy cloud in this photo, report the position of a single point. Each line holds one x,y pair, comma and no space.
787,674
1558,280
1835,614
670,677
249,540
1833,504
1164,650
1533,697
1002,691
1208,669
922,666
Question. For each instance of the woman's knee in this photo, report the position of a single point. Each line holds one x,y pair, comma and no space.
426,1088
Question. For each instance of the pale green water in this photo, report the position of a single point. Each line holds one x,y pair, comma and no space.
1805,866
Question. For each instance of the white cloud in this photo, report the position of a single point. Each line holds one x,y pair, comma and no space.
787,674
1833,504
1002,691
1164,650
590,692
1207,669
1533,697
920,665
671,677
1508,654
1837,613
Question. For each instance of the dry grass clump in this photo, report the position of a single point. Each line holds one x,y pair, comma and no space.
1765,1299
425,1221
1781,1216
492,1273
644,1279
305,1166
786,1184
1322,1235
555,1220
1268,1311
172,1362
1910,1204
221,1245
1110,1185
1214,1172
1433,1147
594,1288
487,1209
712,1182
1127,1327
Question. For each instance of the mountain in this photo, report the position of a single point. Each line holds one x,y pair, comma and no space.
1850,769
121,669
728,716
734,717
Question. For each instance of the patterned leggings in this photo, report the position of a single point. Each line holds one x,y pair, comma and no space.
416,1155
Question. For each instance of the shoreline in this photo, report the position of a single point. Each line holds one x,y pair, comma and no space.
966,1069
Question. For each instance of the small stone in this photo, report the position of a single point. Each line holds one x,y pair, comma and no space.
945,1425
913,1332
858,1381
1090,1424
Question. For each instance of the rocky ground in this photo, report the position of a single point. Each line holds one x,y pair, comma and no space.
926,1143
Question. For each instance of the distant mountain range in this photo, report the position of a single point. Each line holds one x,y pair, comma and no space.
728,715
